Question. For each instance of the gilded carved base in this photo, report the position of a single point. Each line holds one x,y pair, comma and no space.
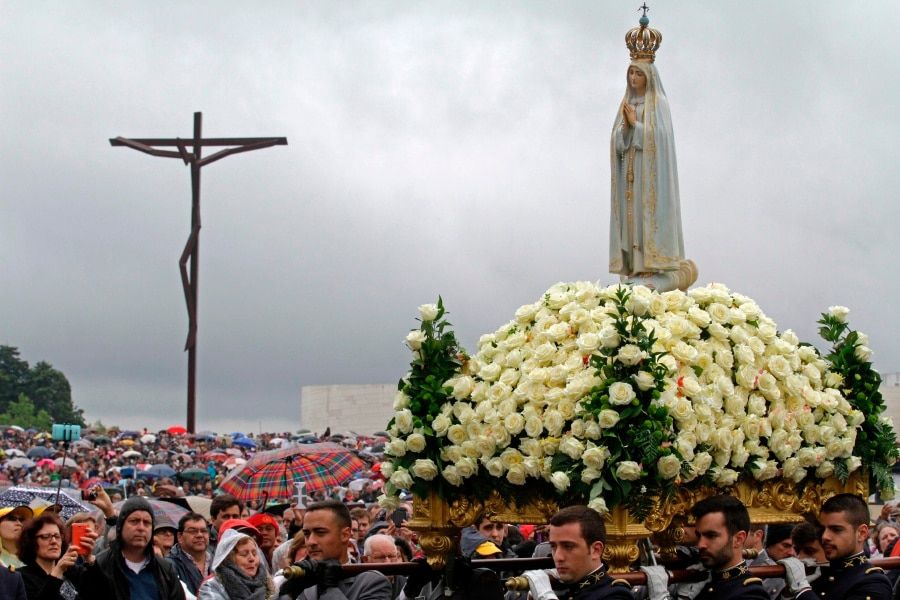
773,501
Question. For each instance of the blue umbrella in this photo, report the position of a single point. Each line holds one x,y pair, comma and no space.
127,472
39,452
244,442
236,434
157,471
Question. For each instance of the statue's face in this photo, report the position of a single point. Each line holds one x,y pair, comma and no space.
637,80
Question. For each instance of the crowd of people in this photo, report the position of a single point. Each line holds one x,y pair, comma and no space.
300,547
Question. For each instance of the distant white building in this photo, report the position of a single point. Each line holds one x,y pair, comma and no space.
363,409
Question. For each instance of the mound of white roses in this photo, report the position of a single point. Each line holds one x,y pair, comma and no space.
744,399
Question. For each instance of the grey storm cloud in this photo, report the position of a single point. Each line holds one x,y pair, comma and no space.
452,148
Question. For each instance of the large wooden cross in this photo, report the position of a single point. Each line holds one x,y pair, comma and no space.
191,251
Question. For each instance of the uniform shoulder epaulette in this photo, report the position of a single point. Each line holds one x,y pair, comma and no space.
750,580
621,582
874,570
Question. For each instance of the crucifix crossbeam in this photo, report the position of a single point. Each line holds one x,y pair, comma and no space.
190,151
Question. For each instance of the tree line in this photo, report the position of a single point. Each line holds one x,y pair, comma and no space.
34,396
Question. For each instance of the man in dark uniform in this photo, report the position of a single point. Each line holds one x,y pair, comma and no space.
577,539
849,575
722,526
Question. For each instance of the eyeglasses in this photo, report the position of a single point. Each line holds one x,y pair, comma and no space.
193,531
15,518
47,537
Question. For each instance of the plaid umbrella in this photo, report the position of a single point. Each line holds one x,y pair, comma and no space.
165,513
17,496
272,474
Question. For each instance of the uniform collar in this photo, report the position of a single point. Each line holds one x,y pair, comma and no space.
732,573
848,562
591,579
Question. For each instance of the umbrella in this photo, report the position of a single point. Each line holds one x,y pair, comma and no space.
234,452
131,454
17,428
83,444
100,439
126,442
193,475
236,434
92,482
153,471
148,438
214,455
277,441
17,496
39,452
70,462
197,504
20,463
234,461
14,452
46,462
358,484
272,474
176,430
244,442
129,434
166,513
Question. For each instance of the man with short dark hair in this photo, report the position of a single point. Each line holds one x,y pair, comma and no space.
361,516
190,555
807,539
326,527
577,539
849,576
130,566
722,523
221,509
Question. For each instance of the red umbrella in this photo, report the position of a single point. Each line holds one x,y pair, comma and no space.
176,430
214,455
46,463
92,482
273,474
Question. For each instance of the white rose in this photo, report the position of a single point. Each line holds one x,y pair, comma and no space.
599,504
594,457
490,372
592,430
553,422
668,466
669,362
690,387
387,469
495,467
428,312
560,481
440,425
414,339
726,477
644,380
609,338
779,367
863,353
415,442
839,312
516,474
588,342
525,314
607,418
793,470
456,434
629,355
425,468
825,470
403,419
533,426
768,470
514,423
701,463
401,401
571,447
462,386
401,479
388,502
628,470
466,467
685,353
853,463
621,393
451,475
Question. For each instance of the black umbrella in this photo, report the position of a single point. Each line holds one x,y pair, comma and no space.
39,452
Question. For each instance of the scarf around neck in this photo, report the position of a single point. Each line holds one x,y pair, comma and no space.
241,587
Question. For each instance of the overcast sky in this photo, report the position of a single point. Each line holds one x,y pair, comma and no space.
452,148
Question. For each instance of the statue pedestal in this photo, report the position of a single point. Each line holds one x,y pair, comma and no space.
775,501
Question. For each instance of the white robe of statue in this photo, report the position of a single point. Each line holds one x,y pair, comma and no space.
645,240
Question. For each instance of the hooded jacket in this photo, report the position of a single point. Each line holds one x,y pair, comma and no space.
112,562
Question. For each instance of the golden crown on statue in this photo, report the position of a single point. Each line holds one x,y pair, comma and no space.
643,41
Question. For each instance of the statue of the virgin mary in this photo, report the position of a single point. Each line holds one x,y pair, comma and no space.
645,239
